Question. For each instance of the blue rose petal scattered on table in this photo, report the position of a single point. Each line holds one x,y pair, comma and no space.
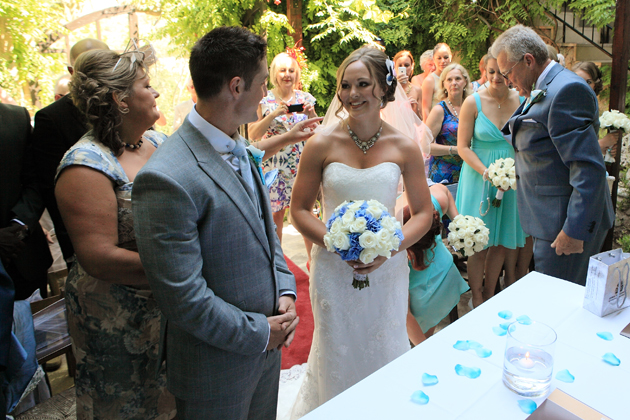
483,353
499,331
524,319
527,406
429,380
420,397
461,345
505,325
565,376
469,372
605,335
611,359
505,314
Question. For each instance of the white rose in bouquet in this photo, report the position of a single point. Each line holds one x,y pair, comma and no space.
368,240
341,241
358,225
614,119
368,255
468,234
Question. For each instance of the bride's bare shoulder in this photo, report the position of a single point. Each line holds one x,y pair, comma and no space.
401,140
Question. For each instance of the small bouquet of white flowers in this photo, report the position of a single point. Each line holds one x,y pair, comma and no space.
501,173
362,230
468,234
615,120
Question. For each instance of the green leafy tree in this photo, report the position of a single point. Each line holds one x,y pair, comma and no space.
27,74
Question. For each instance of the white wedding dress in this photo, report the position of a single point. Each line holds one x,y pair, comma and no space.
356,331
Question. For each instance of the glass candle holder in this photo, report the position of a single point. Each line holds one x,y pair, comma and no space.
528,361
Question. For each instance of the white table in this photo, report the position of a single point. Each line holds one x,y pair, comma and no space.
386,393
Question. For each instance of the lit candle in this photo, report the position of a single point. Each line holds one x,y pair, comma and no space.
526,363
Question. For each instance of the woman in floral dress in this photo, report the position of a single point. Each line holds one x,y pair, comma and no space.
113,318
274,118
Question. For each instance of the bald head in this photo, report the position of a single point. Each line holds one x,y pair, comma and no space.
86,45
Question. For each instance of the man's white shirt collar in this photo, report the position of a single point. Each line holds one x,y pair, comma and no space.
221,142
542,76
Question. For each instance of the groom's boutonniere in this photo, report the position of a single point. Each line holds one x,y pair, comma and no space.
256,156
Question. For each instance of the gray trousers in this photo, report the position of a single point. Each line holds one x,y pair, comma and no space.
259,402
572,267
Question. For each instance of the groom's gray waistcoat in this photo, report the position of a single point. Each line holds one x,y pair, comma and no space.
214,266
561,175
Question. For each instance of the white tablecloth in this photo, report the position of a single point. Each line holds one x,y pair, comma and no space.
386,393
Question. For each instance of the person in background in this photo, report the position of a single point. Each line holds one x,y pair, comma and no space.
113,318
61,86
592,75
23,247
562,194
275,118
183,108
435,283
442,57
404,60
552,52
57,128
480,143
453,87
481,83
427,65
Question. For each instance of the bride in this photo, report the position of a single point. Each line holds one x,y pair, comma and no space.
357,331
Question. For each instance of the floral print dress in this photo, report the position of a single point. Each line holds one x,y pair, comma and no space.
287,159
115,329
446,169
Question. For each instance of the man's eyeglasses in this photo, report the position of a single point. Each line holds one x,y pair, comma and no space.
507,73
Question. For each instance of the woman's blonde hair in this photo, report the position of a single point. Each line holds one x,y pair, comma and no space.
442,93
375,61
98,74
273,69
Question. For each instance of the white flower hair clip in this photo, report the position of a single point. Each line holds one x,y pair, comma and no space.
390,71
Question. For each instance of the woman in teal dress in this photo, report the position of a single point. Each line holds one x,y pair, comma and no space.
435,284
480,143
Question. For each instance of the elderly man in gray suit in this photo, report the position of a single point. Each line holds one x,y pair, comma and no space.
207,241
563,198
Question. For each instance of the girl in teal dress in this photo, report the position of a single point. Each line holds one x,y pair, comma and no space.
435,284
480,143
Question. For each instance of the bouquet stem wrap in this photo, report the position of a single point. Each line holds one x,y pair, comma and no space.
497,200
502,174
361,231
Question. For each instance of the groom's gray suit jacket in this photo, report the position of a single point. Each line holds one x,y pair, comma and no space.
215,267
561,177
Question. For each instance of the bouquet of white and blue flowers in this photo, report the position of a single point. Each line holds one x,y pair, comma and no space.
361,231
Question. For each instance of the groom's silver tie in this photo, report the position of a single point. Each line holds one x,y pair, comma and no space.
246,172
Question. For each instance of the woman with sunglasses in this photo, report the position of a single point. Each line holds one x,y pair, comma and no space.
480,143
113,318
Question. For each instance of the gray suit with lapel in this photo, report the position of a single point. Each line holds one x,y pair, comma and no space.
215,266
561,174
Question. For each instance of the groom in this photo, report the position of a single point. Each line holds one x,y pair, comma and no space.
563,198
208,244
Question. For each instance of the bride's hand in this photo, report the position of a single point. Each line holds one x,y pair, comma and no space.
361,268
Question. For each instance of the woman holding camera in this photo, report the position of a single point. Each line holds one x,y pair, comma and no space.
275,117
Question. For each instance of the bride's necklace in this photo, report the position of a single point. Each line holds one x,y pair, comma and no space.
495,99
364,145
452,108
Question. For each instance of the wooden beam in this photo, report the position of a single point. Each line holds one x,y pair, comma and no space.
134,31
294,14
618,83
104,14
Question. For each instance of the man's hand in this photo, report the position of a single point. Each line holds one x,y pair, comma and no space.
287,305
304,129
10,241
564,244
278,333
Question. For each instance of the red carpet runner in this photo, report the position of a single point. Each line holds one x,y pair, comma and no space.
297,353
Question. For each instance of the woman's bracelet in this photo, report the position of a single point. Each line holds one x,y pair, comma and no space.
450,150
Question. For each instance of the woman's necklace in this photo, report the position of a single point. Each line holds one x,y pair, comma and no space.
133,146
408,89
495,99
286,101
453,108
365,145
